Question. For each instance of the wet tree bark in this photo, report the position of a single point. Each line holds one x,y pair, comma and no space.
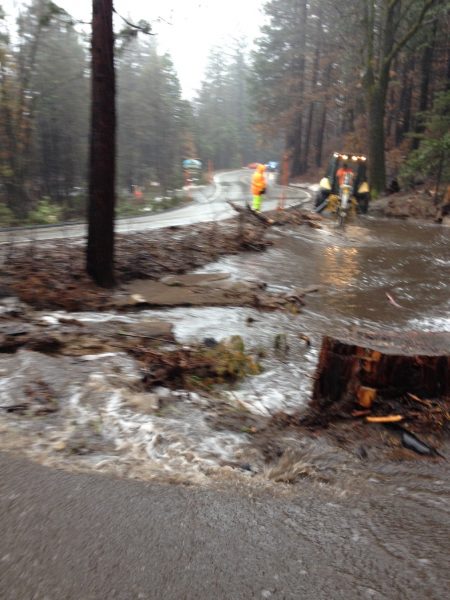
100,247
378,59
294,146
295,138
351,373
323,117
320,135
403,123
426,77
376,112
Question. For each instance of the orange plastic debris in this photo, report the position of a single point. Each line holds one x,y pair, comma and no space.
385,419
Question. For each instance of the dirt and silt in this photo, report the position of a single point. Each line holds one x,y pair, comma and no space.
204,377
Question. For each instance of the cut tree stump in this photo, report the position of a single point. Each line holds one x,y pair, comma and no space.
382,373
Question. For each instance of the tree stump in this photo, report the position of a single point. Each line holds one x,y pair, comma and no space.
373,373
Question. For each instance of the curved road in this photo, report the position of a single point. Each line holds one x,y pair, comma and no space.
209,203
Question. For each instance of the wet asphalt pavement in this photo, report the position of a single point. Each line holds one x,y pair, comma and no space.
208,204
82,537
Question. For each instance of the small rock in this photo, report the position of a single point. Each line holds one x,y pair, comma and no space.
59,446
143,403
136,299
5,292
246,467
280,343
235,342
361,453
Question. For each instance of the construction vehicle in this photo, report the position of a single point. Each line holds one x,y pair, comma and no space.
344,190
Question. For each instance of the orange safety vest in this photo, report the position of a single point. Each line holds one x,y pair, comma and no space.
341,173
258,180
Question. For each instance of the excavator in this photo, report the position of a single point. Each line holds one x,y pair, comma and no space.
344,190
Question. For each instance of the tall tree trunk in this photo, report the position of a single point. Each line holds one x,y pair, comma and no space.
320,135
447,87
426,67
379,57
392,114
403,123
314,77
376,109
294,147
309,123
100,247
296,137
323,119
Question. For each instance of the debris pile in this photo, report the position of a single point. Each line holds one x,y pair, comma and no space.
367,380
164,362
196,368
421,204
52,274
385,377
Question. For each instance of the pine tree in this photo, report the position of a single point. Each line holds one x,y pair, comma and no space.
100,246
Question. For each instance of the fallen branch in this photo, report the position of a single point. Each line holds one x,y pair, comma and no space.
426,403
392,301
248,210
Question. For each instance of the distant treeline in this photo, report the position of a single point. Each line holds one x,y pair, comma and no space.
323,76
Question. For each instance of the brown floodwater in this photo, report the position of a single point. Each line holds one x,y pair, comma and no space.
377,274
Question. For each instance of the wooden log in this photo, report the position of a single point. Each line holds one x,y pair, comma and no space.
366,396
366,367
248,211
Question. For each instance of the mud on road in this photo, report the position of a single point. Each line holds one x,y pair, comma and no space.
113,391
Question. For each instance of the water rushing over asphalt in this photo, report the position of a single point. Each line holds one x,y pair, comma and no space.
375,273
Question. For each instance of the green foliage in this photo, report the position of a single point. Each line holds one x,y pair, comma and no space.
6,216
222,112
129,32
152,117
166,203
125,207
74,207
52,11
128,205
432,159
225,363
45,213
61,118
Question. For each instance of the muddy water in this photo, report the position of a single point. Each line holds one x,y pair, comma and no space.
375,273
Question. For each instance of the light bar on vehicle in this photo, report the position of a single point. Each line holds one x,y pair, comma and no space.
354,157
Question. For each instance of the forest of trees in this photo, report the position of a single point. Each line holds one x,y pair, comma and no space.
350,77
371,77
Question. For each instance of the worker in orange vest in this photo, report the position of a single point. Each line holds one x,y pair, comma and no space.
344,175
259,185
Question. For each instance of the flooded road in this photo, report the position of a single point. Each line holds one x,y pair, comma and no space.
376,274
377,513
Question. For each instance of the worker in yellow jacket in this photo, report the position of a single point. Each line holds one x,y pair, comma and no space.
259,185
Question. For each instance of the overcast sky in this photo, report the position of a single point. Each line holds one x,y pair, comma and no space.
188,29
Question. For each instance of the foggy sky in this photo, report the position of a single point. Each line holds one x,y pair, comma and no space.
187,29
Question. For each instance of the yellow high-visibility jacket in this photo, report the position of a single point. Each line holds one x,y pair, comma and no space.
258,180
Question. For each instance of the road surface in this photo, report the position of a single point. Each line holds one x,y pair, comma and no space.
209,203
69,536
